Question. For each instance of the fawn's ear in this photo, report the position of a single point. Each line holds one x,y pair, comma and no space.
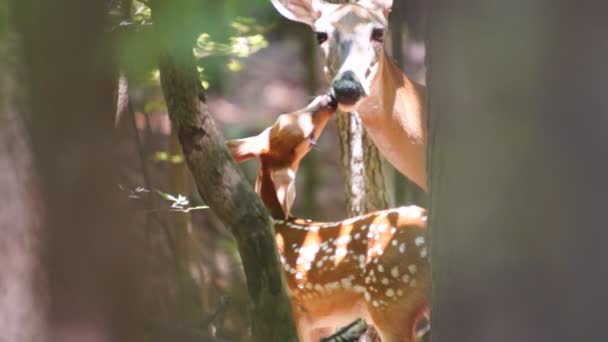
284,180
304,11
247,148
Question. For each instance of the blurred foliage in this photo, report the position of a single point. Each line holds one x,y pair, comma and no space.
247,38
225,33
162,156
4,18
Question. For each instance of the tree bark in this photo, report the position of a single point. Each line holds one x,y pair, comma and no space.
93,256
362,167
23,292
518,121
219,182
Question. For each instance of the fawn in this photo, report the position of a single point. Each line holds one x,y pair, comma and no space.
373,266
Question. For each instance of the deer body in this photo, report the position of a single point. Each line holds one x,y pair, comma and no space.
364,79
394,116
373,266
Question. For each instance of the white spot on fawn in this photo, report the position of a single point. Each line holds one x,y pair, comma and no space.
342,240
402,248
390,293
359,289
419,241
395,271
413,269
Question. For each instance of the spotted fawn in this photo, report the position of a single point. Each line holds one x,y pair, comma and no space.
373,266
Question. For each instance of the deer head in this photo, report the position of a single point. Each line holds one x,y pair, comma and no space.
351,38
280,148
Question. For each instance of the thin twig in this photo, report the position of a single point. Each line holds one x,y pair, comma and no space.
141,149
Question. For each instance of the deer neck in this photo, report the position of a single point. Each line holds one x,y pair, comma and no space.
394,115
265,188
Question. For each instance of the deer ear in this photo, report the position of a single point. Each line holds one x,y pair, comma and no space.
284,180
247,148
304,11
384,5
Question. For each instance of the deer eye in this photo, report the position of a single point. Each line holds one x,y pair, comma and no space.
378,34
321,37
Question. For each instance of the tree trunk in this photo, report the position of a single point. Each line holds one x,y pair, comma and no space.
94,257
311,164
362,167
23,294
219,182
518,122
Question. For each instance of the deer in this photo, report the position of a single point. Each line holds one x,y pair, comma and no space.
374,266
364,79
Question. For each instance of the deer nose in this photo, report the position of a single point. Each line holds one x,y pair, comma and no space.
347,89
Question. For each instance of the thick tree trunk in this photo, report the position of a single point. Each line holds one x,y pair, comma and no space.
218,180
518,135
362,167
23,292
94,257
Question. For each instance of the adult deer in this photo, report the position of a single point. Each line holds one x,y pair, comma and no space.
364,79
373,266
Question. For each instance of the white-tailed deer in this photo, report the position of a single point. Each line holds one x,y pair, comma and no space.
374,266
364,79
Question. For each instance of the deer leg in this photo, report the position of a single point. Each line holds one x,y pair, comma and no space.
394,324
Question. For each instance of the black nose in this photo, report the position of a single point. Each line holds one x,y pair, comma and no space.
347,89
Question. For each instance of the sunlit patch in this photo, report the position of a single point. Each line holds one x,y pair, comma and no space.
280,243
343,240
307,253
380,237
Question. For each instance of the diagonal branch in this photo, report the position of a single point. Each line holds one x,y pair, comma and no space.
219,182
